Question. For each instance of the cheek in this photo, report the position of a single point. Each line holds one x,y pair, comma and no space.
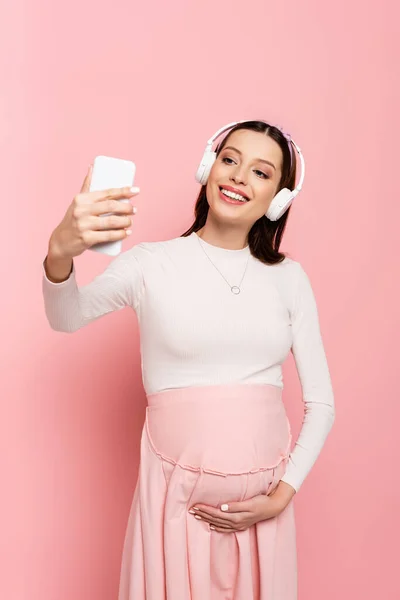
209,193
263,196
217,172
212,187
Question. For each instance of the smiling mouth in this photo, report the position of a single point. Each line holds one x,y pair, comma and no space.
231,197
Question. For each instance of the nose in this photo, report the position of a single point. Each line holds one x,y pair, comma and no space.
238,176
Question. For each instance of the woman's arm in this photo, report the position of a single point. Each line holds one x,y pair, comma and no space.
314,375
69,307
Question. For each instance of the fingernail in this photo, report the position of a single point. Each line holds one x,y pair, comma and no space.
194,508
135,190
211,527
192,512
197,517
128,231
224,507
134,210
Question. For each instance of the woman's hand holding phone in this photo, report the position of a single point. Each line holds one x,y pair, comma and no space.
83,226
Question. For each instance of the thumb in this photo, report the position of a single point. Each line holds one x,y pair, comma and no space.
232,507
86,182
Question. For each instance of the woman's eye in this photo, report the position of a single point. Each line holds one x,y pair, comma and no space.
263,175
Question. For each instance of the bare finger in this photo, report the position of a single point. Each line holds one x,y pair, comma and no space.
111,222
109,206
86,182
210,519
97,237
222,517
222,530
212,523
112,194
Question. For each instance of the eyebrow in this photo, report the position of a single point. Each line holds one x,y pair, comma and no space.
258,159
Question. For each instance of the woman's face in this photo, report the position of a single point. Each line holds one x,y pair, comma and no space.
250,164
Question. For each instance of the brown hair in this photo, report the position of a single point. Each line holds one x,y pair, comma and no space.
265,236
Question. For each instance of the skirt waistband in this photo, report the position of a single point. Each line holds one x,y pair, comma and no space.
246,391
229,429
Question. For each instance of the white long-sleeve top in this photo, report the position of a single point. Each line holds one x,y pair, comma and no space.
194,331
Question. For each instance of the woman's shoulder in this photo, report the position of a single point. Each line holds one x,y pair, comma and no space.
290,275
157,246
288,267
157,249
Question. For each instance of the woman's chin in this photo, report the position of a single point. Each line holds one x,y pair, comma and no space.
226,212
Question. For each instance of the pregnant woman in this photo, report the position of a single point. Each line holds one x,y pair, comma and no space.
219,309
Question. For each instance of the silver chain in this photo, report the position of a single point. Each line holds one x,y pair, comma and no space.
235,289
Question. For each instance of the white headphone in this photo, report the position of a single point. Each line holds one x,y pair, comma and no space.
283,198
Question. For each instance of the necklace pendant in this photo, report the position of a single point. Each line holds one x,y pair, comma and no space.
235,289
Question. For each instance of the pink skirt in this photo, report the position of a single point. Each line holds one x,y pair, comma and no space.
213,445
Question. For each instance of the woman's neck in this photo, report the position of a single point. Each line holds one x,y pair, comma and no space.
227,237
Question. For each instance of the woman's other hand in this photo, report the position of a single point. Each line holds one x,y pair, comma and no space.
239,516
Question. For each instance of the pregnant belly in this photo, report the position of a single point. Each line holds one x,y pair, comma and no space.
227,442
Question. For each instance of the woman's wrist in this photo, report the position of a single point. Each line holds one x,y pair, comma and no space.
282,494
57,269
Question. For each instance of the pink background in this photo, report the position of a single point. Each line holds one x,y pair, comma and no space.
152,83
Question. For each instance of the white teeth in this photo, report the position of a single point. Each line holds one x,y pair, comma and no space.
234,196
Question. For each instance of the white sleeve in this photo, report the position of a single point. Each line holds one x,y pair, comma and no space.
312,367
69,307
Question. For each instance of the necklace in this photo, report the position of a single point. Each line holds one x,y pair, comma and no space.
235,289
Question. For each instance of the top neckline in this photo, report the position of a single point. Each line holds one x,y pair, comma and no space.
219,249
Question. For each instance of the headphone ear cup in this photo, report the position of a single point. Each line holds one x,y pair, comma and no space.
205,166
280,203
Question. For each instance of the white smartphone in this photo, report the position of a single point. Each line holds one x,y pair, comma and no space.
108,173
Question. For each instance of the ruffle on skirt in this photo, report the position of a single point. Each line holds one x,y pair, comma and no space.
210,445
